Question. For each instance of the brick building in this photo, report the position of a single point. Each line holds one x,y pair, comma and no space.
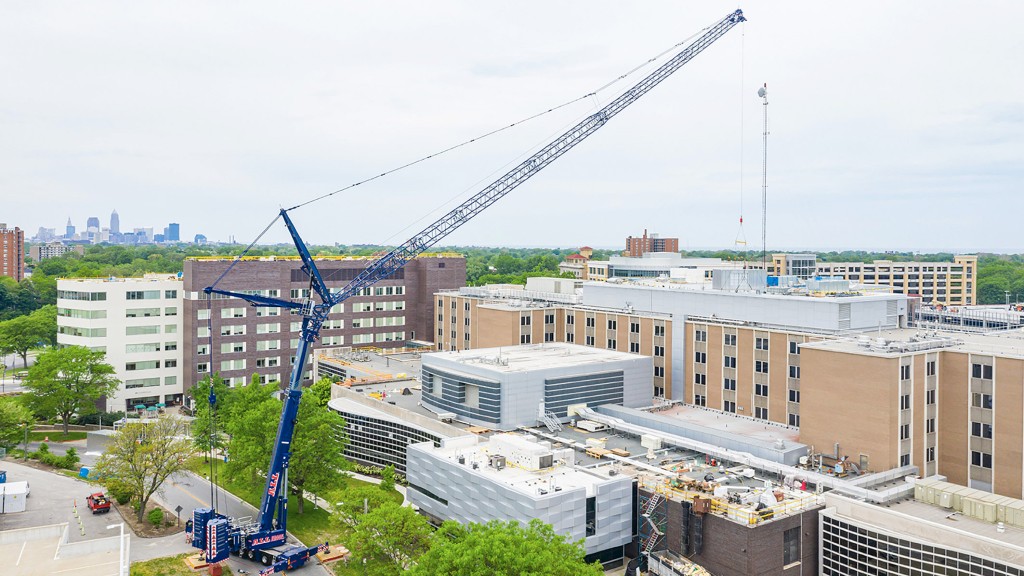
12,252
248,340
637,247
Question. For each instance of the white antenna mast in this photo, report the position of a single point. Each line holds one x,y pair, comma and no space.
762,92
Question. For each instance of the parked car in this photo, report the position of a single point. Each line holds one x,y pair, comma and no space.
98,503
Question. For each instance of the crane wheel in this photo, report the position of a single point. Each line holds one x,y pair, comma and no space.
265,559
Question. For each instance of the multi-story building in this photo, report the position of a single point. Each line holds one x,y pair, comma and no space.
505,388
961,535
137,323
12,252
637,247
515,477
949,283
949,404
247,340
550,311
40,252
379,433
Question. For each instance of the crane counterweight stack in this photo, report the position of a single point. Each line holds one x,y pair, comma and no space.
219,535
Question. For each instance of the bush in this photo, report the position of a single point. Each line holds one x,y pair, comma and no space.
119,491
156,517
50,459
70,459
101,418
43,449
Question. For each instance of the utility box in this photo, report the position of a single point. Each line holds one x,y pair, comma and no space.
15,497
3,476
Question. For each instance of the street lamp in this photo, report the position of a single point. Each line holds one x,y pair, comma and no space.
24,447
121,560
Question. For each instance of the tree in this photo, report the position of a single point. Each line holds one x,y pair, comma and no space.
68,381
503,549
352,502
13,415
23,333
391,538
320,391
206,431
387,478
142,456
318,444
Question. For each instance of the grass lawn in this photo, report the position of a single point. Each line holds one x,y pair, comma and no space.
55,436
169,566
311,527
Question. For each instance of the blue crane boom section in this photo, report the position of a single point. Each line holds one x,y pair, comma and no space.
272,520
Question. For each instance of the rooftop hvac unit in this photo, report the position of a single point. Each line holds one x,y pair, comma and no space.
651,441
497,461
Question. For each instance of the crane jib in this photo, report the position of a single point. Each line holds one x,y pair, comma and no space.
275,493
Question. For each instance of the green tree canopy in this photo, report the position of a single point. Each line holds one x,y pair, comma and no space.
351,503
23,333
391,537
143,456
65,382
320,391
208,434
13,415
503,549
317,458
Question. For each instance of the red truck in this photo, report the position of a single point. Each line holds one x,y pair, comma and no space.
98,503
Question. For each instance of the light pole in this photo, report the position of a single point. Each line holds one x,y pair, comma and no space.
121,560
24,447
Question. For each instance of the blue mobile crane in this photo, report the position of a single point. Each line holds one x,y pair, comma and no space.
264,538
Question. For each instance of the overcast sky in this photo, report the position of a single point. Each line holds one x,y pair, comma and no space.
893,125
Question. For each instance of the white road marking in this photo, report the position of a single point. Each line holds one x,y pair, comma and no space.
20,553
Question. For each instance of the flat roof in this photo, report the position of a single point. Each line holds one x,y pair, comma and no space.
530,482
745,426
900,341
706,288
526,357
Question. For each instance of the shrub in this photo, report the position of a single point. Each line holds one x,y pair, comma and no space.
43,448
70,459
155,517
119,491
51,459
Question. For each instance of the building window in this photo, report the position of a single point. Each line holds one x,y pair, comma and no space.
612,324
523,320
929,454
761,343
794,371
929,425
791,546
659,330
591,516
729,361
794,396
729,406
761,412
570,319
634,347
659,371
729,384
761,366
700,336
590,341
930,368
548,336
981,459
981,371
905,402
634,327
761,390
549,318
794,347
904,431
570,337
700,357
929,397
611,344
905,372
591,322
729,339
700,400
981,430
701,379
794,420
981,400
905,460
659,350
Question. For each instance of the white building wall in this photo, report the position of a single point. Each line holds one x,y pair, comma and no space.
129,342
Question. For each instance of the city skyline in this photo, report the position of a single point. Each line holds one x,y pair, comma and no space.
95,232
872,144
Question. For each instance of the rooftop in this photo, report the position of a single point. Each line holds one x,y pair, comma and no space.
318,258
528,357
896,342
745,426
145,278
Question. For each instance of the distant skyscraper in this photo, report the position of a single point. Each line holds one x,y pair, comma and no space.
69,232
115,223
171,234
12,252
92,223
